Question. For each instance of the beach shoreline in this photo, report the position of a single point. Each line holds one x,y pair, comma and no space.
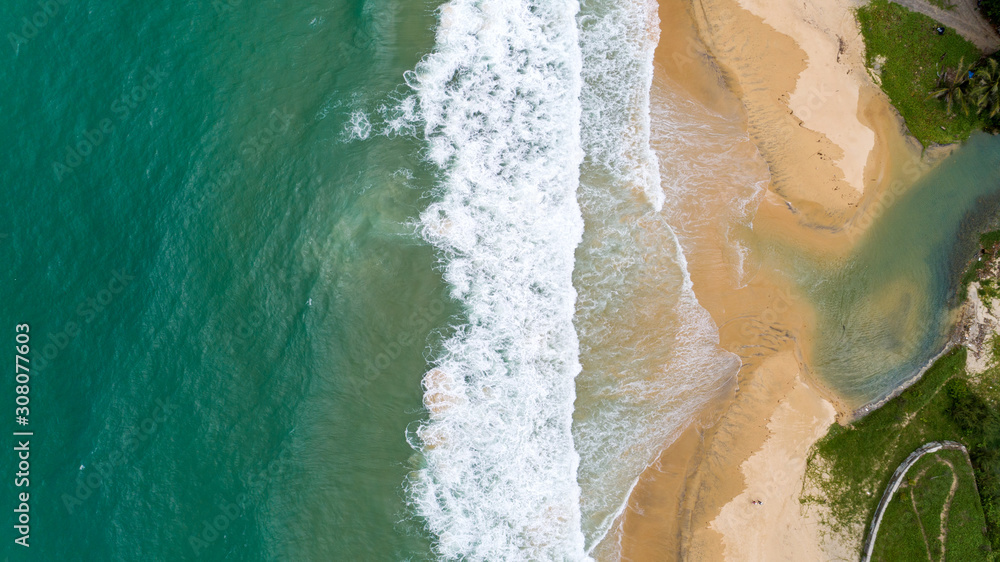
836,153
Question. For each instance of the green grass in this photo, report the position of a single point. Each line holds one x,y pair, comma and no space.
966,521
989,289
943,4
930,492
927,486
987,384
852,464
899,537
988,242
914,54
989,239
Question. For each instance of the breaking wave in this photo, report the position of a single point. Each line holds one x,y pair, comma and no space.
498,100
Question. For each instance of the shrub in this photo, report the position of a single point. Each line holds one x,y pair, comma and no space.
991,11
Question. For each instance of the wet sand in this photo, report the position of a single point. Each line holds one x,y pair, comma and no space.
754,529
836,156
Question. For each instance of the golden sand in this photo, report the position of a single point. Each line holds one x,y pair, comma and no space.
754,529
837,157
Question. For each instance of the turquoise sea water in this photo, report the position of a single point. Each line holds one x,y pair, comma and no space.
274,299
241,242
301,279
358,280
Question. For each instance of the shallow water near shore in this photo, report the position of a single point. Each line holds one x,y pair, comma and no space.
887,309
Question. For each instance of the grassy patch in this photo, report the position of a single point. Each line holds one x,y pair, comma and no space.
989,245
911,527
899,537
858,460
914,53
989,239
966,521
852,465
989,289
943,4
987,384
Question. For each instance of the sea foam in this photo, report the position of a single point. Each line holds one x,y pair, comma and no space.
714,178
618,39
498,102
649,350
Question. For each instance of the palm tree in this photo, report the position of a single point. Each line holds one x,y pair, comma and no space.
985,91
954,86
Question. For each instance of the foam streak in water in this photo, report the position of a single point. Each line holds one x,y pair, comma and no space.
499,103
618,39
649,349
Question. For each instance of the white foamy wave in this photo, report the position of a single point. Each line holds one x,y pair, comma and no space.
718,186
498,100
618,40
357,127
649,350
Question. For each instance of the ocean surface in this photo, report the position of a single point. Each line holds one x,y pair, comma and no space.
312,281
363,280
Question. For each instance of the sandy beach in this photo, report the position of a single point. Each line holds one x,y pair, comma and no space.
754,529
834,149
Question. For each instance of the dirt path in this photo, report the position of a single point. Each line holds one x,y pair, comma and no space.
920,524
947,505
945,509
911,416
963,18
894,482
